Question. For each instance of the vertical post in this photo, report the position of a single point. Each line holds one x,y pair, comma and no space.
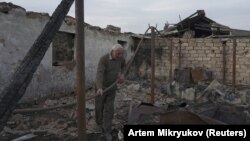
179,53
170,60
80,72
234,64
152,63
224,62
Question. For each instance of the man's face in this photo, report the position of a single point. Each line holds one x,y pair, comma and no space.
118,53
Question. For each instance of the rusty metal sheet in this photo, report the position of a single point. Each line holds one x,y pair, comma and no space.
150,114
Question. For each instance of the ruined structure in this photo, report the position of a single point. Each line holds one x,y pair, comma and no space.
56,73
196,53
198,25
192,69
16,87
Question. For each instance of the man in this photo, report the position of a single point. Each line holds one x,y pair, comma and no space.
110,68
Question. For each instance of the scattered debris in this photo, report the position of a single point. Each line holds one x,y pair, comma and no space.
200,103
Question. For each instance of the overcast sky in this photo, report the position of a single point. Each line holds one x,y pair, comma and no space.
136,15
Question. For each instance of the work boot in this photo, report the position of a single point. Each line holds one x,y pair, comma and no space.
108,136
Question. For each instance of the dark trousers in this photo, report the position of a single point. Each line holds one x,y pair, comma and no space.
104,110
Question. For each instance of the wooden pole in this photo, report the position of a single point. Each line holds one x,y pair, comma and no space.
170,60
179,44
234,64
152,63
224,62
80,71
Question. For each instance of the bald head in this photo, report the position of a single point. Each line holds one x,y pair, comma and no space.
117,51
116,46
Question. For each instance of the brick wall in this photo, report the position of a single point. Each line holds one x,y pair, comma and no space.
195,53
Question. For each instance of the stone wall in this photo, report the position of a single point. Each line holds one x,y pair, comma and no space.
19,29
197,53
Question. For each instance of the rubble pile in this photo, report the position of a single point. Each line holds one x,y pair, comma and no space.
213,100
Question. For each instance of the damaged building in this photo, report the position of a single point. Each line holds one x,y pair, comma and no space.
56,71
198,25
201,75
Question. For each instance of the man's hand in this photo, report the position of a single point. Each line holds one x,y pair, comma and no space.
121,78
99,92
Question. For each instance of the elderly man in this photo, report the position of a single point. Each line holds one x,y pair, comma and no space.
110,68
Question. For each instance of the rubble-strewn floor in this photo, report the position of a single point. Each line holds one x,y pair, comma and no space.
60,124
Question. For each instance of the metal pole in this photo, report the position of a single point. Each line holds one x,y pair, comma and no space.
170,60
234,64
80,72
152,63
